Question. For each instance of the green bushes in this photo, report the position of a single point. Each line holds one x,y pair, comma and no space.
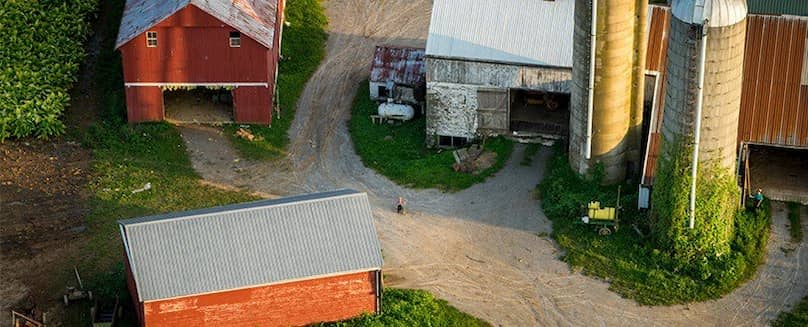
716,203
399,152
404,307
39,58
794,224
635,265
797,317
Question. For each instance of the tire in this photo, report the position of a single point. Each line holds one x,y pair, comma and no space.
604,231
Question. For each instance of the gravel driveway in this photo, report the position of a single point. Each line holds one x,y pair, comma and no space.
481,249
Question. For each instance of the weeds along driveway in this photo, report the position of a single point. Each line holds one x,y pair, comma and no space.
477,248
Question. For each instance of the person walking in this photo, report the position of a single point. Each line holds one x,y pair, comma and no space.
400,203
758,197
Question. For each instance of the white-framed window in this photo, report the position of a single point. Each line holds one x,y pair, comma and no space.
235,39
151,39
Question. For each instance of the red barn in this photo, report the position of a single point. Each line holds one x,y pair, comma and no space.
285,262
231,46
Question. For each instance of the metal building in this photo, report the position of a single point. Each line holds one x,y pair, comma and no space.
498,68
772,133
292,261
398,73
223,47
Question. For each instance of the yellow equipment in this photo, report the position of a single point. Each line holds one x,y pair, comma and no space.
596,212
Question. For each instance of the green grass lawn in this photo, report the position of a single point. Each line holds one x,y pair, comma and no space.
303,48
403,156
797,317
633,265
405,307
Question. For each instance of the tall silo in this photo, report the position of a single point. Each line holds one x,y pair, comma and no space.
700,124
606,101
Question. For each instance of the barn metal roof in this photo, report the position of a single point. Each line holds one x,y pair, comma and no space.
250,244
255,18
532,32
400,65
779,7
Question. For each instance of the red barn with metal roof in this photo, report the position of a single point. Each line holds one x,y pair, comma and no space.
221,44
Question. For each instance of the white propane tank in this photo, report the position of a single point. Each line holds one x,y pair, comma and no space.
397,111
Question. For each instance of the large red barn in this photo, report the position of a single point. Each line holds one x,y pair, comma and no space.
230,45
285,262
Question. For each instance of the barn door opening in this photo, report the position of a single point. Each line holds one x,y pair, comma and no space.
539,112
198,104
780,172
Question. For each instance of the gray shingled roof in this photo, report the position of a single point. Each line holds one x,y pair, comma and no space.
250,244
255,18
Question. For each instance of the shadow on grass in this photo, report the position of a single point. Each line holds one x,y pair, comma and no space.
399,151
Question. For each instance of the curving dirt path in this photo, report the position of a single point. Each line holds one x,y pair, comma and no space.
480,248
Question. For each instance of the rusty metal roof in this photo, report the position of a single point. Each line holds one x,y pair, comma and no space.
774,95
774,102
400,65
251,244
255,18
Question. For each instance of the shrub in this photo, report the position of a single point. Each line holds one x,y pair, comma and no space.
39,59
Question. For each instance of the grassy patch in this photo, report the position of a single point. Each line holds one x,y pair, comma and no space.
797,317
795,226
125,158
405,307
530,152
303,48
400,153
636,268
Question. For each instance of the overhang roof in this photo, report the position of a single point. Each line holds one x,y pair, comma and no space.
400,65
251,244
530,32
255,18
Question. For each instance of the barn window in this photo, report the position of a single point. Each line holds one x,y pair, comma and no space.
805,65
451,141
151,39
235,39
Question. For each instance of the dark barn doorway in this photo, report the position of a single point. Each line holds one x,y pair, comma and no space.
781,172
199,105
539,112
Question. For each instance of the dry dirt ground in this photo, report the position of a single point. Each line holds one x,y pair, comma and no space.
480,248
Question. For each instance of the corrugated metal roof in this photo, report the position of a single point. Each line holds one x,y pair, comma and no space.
533,32
255,18
250,244
778,7
719,12
400,65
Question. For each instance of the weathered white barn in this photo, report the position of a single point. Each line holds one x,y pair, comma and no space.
498,67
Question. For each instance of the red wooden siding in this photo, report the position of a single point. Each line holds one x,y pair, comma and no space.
774,106
193,47
144,103
252,104
656,60
290,304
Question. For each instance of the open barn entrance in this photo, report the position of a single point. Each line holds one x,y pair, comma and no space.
781,172
539,113
199,105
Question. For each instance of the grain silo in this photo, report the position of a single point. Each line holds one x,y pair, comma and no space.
723,24
607,93
699,127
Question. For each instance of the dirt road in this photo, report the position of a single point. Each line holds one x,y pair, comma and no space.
480,248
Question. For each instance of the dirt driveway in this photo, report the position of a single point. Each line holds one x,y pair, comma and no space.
480,248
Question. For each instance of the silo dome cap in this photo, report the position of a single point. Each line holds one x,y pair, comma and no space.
718,12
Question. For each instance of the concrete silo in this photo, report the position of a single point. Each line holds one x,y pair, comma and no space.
700,124
607,92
